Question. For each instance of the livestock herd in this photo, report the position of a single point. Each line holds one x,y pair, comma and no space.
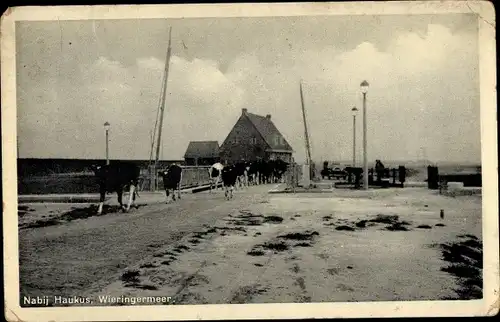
119,176
245,173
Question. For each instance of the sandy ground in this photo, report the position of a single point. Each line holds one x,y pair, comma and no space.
87,251
48,210
315,248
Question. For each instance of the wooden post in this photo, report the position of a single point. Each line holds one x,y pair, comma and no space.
402,174
152,177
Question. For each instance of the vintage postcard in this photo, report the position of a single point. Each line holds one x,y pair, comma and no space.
250,161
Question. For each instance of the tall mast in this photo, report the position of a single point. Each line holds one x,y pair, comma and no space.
163,97
308,147
153,133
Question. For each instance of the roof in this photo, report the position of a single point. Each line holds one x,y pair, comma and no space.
268,130
202,149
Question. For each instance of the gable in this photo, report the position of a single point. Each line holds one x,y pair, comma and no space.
269,132
243,131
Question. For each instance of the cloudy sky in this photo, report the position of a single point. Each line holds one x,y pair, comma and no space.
423,99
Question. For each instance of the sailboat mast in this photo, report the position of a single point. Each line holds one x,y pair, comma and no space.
162,106
153,134
308,147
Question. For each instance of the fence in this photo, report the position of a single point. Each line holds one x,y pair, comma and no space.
192,176
86,182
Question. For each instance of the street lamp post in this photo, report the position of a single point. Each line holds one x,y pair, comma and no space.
354,112
364,89
106,127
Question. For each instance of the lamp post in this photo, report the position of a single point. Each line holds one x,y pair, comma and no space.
354,112
364,89
106,127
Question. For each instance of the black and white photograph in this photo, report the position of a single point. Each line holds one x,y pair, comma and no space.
279,160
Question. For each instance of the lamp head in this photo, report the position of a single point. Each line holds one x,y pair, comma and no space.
106,126
364,86
354,111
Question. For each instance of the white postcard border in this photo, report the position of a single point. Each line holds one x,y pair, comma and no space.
487,56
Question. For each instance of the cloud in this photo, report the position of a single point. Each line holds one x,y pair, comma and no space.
128,97
423,93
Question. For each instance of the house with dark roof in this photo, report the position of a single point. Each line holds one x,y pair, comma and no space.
255,137
202,153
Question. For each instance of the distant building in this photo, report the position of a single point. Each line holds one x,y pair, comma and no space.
202,153
255,137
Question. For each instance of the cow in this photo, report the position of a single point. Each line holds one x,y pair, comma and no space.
172,178
229,176
245,174
279,168
266,169
241,169
258,171
271,170
253,173
214,174
116,177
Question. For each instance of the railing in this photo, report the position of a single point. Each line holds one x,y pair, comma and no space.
86,182
192,176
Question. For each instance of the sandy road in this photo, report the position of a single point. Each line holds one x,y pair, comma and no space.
263,248
70,258
315,248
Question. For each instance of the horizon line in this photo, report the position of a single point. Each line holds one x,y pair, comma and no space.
333,161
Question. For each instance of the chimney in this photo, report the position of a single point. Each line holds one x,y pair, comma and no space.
268,116
244,111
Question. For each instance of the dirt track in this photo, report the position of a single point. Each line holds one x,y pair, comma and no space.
75,255
383,248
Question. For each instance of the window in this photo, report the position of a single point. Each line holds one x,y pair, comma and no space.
276,140
253,140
